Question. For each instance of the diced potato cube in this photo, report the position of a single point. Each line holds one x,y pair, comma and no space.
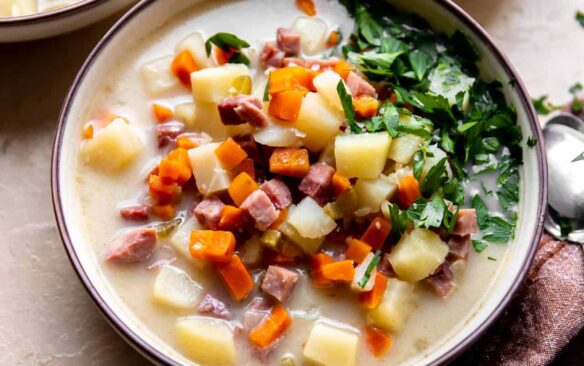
360,271
158,77
312,34
329,346
206,119
362,156
113,147
17,8
195,44
398,303
174,288
310,246
404,148
372,193
214,84
180,241
430,161
206,340
277,134
418,254
326,85
250,251
209,173
318,121
185,112
310,220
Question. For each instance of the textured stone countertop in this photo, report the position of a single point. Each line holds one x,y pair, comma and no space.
46,317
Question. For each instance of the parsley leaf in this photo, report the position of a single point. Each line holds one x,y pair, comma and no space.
370,267
479,246
543,106
492,259
499,230
580,18
228,42
482,212
347,102
531,141
579,157
419,163
435,178
399,221
464,46
433,213
421,62
577,104
369,29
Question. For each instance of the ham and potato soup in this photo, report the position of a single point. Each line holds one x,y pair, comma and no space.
297,182
18,8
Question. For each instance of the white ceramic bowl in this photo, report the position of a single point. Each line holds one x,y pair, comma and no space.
58,21
444,16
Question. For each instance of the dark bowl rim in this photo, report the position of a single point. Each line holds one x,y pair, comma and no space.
47,16
158,356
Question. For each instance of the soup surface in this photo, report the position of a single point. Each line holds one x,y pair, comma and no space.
18,8
332,188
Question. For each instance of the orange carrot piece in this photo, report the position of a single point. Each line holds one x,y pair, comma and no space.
333,38
273,257
340,183
165,212
343,68
236,277
162,192
181,156
370,300
242,186
378,341
339,271
366,106
282,216
161,112
316,263
222,57
409,191
186,143
215,246
88,131
169,171
271,328
307,6
357,250
377,232
182,66
289,78
232,218
246,166
286,105
292,162
230,153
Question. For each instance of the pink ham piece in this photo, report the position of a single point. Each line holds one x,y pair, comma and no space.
318,183
261,209
288,41
168,132
466,222
440,282
213,307
278,192
242,109
134,246
135,212
359,86
208,212
271,56
279,282
458,247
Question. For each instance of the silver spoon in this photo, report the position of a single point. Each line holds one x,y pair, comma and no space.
564,141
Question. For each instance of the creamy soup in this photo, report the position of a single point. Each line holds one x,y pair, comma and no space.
18,8
331,185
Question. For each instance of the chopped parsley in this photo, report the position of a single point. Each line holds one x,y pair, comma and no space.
495,229
531,141
580,18
579,157
267,89
229,43
372,265
543,106
479,245
347,103
492,259
577,104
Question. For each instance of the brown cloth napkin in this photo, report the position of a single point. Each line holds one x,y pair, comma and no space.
547,312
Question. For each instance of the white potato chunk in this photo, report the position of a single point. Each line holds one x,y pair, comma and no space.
17,8
277,134
206,119
318,121
311,220
362,156
210,175
309,246
330,346
206,340
404,148
312,34
195,44
185,112
174,288
448,80
430,161
180,241
326,85
251,250
113,147
372,193
418,254
360,271
398,303
214,84
158,77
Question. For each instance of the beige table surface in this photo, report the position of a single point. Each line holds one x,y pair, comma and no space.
46,318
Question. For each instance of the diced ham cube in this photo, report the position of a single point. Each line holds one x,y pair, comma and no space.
259,206
242,109
213,307
135,212
466,222
318,183
288,41
359,86
458,247
208,212
279,282
255,312
271,56
278,192
168,132
134,246
441,280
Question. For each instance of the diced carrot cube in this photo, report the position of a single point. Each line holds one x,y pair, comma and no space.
409,191
162,192
236,277
242,186
246,166
343,68
215,246
289,78
357,250
88,131
307,6
182,66
316,263
232,218
161,112
333,39
186,143
366,106
379,342
181,156
292,162
339,271
341,184
230,153
169,171
273,257
376,233
286,105
271,328
370,300
165,212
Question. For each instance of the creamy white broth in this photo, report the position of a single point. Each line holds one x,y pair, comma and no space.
122,93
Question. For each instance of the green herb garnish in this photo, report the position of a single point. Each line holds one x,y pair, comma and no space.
228,42
479,246
580,18
347,102
372,265
267,89
579,157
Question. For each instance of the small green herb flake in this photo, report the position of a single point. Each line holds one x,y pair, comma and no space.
542,106
531,141
579,157
347,102
370,267
419,163
267,89
479,246
228,42
492,259
580,18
